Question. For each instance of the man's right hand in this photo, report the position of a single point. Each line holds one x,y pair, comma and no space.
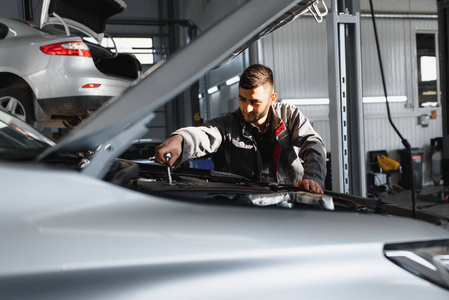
310,185
172,145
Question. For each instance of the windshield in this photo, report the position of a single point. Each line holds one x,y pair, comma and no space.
19,141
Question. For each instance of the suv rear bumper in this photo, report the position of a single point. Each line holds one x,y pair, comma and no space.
72,106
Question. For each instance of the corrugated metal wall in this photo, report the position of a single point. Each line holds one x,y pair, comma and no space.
297,53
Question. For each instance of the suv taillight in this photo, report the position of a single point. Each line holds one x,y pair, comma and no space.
76,48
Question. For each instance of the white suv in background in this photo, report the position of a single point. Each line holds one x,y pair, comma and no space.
48,72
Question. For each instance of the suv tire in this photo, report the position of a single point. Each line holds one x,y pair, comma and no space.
18,103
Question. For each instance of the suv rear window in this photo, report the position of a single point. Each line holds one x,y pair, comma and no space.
51,29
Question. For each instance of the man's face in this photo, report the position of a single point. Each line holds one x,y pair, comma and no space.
255,103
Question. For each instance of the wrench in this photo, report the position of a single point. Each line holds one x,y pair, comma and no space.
167,158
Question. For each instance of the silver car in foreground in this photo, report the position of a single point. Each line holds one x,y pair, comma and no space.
78,223
48,72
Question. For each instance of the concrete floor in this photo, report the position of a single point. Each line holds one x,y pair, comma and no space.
430,198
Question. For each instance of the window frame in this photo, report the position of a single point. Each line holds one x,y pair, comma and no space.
135,53
416,79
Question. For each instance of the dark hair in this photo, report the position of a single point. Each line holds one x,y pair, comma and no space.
256,75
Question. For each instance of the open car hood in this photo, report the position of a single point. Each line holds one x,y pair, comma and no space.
109,131
87,16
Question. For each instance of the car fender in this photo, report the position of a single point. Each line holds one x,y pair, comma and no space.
24,61
21,60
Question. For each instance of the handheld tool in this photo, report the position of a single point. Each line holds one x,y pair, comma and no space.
167,158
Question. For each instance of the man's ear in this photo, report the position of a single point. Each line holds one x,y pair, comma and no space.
273,98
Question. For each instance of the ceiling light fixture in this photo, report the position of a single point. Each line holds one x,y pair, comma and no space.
233,80
212,90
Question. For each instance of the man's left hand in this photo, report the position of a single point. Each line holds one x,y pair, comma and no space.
310,185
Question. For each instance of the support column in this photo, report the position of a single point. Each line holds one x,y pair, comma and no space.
345,94
443,31
27,10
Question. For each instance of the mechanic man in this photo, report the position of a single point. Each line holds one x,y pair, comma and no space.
260,140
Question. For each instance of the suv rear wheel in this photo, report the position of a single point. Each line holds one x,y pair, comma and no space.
18,103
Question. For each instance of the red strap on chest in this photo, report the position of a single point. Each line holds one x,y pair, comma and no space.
277,148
